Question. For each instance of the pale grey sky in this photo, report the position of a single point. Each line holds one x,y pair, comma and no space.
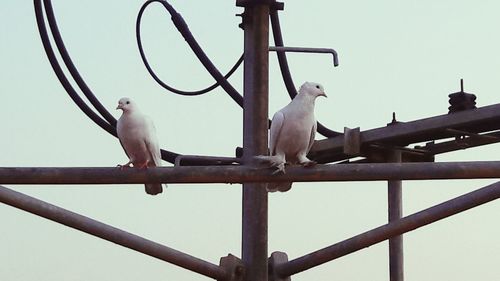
403,56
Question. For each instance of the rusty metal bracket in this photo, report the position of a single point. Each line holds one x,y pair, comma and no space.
352,142
276,259
235,270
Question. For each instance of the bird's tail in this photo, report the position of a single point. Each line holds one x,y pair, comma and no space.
154,188
278,162
279,186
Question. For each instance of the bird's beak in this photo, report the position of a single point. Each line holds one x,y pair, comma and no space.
323,95
119,107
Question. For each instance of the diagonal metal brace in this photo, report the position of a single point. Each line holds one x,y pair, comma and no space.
109,233
395,228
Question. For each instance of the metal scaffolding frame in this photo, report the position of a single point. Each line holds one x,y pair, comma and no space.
385,155
231,268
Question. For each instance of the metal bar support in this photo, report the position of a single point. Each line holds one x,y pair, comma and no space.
483,119
379,234
109,233
395,212
255,125
241,174
308,50
196,160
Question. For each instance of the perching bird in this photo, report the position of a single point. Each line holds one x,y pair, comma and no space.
292,133
137,136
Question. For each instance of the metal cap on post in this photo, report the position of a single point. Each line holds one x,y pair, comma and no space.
235,271
275,260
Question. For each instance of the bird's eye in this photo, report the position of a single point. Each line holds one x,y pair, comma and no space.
317,86
128,102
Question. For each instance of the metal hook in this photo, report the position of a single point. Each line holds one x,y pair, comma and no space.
307,50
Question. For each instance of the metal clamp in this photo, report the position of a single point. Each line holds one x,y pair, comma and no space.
235,270
352,141
277,258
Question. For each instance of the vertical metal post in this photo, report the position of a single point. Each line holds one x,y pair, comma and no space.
395,207
255,127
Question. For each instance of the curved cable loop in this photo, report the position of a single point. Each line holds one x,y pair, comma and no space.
182,27
285,70
153,74
166,155
71,67
61,76
184,30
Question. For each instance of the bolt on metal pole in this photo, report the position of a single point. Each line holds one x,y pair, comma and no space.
255,118
395,211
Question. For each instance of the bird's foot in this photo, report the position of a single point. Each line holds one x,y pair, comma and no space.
124,166
143,166
280,169
309,164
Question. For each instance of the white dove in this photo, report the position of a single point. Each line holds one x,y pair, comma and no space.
292,133
137,135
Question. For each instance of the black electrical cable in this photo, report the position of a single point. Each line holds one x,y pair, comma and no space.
71,67
282,60
166,155
182,27
285,70
153,74
60,74
184,30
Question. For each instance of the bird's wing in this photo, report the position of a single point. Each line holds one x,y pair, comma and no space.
126,153
118,133
152,142
311,137
153,149
275,131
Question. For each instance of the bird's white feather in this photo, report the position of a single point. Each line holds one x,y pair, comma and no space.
292,132
137,135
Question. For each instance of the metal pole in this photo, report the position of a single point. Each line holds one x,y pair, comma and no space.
379,234
245,173
109,233
395,212
255,126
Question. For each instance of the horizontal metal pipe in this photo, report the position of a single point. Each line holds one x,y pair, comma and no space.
240,174
107,232
422,218
308,50
196,160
